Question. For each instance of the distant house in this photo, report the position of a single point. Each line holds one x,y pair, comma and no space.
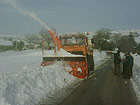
31,46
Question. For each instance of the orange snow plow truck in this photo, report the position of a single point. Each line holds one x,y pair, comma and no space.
79,57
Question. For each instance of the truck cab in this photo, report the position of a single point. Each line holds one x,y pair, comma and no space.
79,44
75,44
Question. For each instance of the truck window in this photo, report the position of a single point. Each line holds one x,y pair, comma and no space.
73,41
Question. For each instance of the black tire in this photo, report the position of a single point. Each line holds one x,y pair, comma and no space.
90,63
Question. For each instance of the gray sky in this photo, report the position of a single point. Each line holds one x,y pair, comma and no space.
71,15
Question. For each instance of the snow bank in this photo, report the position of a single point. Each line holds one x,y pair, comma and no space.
136,75
24,82
29,86
99,58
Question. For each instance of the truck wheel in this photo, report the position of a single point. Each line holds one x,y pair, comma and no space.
90,63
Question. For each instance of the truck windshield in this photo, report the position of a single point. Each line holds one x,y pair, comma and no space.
73,41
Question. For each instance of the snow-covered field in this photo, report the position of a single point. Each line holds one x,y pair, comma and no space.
5,42
136,75
12,61
24,82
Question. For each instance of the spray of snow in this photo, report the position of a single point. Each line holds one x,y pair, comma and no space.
32,15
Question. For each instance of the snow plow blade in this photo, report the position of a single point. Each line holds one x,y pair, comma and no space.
78,64
64,59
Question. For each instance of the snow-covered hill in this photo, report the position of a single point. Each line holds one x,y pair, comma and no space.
8,39
126,32
135,33
24,82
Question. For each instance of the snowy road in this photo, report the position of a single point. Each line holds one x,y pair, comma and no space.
103,89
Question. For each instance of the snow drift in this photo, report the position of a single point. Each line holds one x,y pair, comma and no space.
136,75
28,87
99,58
27,82
24,82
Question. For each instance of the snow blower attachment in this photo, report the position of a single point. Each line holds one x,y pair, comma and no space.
75,53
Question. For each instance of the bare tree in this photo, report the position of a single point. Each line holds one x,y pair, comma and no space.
104,33
127,43
116,39
101,36
46,36
33,38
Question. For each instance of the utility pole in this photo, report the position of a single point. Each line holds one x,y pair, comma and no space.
16,45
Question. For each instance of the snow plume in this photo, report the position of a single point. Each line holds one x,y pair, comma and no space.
32,15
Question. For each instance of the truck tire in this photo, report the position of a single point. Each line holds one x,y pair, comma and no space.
90,62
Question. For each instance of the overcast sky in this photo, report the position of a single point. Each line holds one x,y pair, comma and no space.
71,15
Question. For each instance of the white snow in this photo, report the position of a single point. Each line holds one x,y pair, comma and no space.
24,82
5,42
136,75
99,58
29,86
12,61
62,52
137,39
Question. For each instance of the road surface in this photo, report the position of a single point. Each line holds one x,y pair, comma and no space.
104,88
